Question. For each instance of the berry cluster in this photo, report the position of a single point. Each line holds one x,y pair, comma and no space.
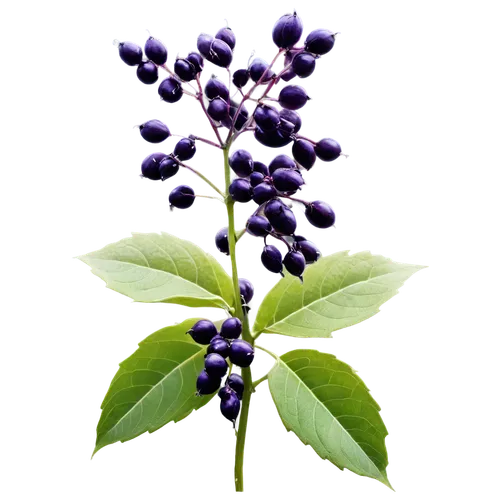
222,345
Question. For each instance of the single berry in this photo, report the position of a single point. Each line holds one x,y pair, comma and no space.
288,74
280,217
219,345
185,70
281,161
286,129
320,42
271,139
230,407
293,97
259,71
130,53
256,178
205,384
215,365
241,118
320,214
181,197
304,154
235,382
150,167
287,31
214,50
327,149
271,259
303,64
294,262
241,162
185,149
218,109
261,168
225,392
263,192
227,35
154,131
156,51
240,190
170,89
221,241
291,117
215,88
241,353
258,226
240,78
203,331
231,328
307,248
266,117
196,60
287,180
168,168
246,290
147,72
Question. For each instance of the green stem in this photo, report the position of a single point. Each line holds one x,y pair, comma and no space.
260,380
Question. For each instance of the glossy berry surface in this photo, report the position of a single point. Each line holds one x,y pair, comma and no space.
231,328
308,249
240,190
271,259
304,153
185,149
295,263
246,289
218,109
292,117
327,150
147,72
303,64
273,139
221,240
168,168
196,60
241,163
215,88
259,71
320,42
281,161
215,365
293,97
256,178
287,179
261,168
170,90
150,167
230,406
267,117
235,382
258,226
241,353
205,384
287,30
240,78
154,131
181,197
215,50
155,51
203,331
130,53
227,35
263,192
219,345
184,70
320,214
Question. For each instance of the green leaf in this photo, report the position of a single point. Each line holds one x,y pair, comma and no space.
154,386
324,402
338,291
162,268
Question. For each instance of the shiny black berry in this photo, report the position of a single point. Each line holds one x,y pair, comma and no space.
168,168
230,406
320,42
293,97
154,131
214,50
203,331
307,248
246,290
294,262
241,162
235,382
266,117
215,365
303,64
327,149
147,72
205,384
130,53
240,78
263,192
258,226
240,190
271,139
259,71
227,35
261,168
304,153
271,259
185,149
215,88
231,328
221,240
155,51
241,353
256,178
281,161
218,109
170,89
287,180
196,60
181,197
287,31
150,167
185,70
280,217
320,214
219,345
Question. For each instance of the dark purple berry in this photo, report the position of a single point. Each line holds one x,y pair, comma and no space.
156,51
225,392
288,74
221,240
294,262
261,168
258,226
241,162
292,117
240,190
303,64
271,259
154,131
280,217
168,168
274,207
281,161
147,72
184,70
185,149
218,109
215,88
150,167
240,120
307,248
320,42
256,178
170,89
263,192
230,407
286,129
304,154
231,328
203,331
241,353
235,382
320,214
246,290
293,97
181,197
130,53
196,60
240,78
287,180
287,31
271,139
205,384
327,149
219,345
215,365
214,50
227,35
259,70
266,117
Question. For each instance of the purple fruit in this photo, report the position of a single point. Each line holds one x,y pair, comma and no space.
205,384
303,64
287,180
263,192
271,259
241,162
259,71
256,178
266,117
215,88
320,42
181,197
196,60
258,226
291,117
150,167
219,345
227,35
271,139
185,149
154,131
246,290
281,161
293,97
287,31
184,70
147,72
170,89
240,190
261,168
215,365
241,353
231,328
294,262
230,407
320,214
130,53
156,51
214,50
203,331
304,153
235,382
240,78
168,168
221,240
327,149
307,248
218,109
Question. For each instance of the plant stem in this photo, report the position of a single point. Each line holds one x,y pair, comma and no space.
201,176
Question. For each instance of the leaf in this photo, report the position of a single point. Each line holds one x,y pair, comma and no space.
154,386
324,402
162,268
338,291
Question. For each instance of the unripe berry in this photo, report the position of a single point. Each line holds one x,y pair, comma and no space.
294,262
168,168
240,78
304,154
203,331
271,259
185,149
320,214
287,31
235,382
205,384
320,42
214,50
327,149
170,89
227,35
150,167
241,162
221,240
181,197
246,290
215,365
240,190
147,72
303,64
293,97
241,353
156,51
219,345
130,53
258,226
231,328
154,131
